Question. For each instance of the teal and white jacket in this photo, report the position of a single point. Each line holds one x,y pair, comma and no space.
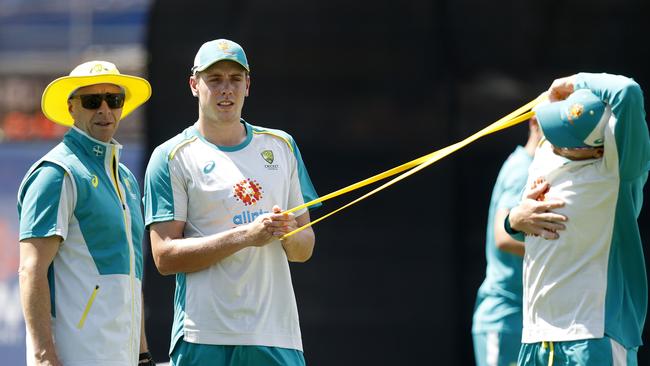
80,192
592,282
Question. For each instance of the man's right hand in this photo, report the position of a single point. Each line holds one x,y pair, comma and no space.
535,217
270,226
561,88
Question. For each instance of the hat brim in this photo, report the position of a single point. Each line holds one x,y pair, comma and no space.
233,59
55,96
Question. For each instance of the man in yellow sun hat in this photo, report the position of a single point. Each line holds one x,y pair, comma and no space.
81,228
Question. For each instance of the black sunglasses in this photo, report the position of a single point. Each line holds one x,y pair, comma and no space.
94,101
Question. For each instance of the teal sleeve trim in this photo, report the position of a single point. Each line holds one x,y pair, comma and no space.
308,190
38,203
625,97
158,192
517,235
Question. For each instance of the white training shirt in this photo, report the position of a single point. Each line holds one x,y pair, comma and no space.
591,282
246,298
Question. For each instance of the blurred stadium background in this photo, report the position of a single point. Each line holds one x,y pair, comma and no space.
362,86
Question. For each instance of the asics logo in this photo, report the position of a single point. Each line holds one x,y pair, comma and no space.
208,167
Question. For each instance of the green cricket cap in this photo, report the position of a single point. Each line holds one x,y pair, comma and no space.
218,50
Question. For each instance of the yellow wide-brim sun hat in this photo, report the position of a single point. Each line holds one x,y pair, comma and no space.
54,102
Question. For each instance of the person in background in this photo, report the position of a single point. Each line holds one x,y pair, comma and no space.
81,229
497,322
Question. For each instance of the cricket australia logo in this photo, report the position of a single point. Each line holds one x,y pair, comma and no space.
248,192
267,155
98,150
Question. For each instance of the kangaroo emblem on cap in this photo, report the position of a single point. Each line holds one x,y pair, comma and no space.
575,111
225,47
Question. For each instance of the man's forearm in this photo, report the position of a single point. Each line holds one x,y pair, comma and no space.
175,254
144,358
502,238
35,298
195,254
300,246
144,347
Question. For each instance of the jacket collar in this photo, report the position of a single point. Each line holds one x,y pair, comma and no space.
92,147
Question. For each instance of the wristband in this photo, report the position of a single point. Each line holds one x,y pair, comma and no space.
508,228
515,234
146,359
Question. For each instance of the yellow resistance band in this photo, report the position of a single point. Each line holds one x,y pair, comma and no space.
416,165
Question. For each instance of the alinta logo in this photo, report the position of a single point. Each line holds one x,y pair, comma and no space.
247,217
248,191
